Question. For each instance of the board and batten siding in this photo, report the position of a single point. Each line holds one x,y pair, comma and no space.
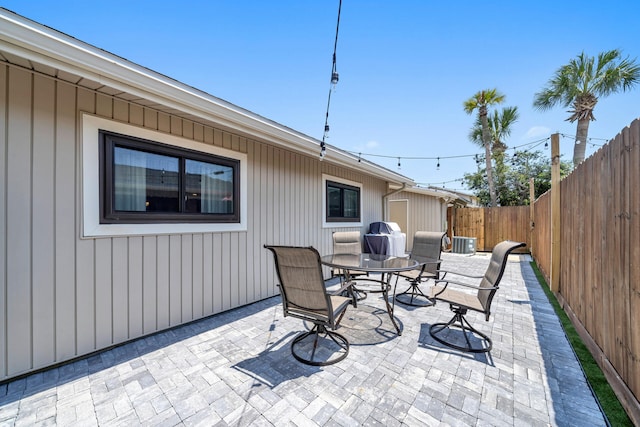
63,296
425,213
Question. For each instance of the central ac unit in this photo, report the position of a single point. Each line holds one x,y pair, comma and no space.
464,245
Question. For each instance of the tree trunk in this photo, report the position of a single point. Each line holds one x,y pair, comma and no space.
580,146
486,139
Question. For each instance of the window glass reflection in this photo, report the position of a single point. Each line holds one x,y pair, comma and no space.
209,188
145,182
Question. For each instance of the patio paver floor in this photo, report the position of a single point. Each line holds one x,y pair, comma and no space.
235,368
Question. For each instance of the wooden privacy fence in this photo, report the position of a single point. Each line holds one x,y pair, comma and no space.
599,271
541,235
490,226
598,235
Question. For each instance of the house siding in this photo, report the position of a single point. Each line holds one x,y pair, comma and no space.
425,213
63,296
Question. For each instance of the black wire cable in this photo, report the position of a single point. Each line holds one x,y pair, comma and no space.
360,154
530,145
334,80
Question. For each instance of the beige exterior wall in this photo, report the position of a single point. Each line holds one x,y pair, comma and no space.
425,213
63,296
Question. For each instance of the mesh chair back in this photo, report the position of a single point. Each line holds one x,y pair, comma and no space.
301,283
428,244
494,272
347,242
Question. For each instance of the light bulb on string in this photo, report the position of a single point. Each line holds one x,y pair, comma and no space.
323,149
334,80
438,165
399,163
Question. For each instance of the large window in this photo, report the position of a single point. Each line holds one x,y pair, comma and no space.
148,182
342,202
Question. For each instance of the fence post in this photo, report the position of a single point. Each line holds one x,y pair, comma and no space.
555,213
532,213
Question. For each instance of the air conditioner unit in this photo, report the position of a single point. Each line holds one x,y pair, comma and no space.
464,245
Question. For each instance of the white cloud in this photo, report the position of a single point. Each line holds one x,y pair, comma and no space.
537,132
372,144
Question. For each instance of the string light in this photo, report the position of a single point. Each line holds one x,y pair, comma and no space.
334,82
334,79
589,139
439,183
531,145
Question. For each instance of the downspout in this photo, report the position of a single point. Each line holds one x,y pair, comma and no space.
445,202
446,227
385,205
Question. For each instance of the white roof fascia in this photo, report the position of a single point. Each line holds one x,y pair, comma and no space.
30,40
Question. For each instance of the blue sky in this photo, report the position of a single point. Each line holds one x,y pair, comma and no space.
405,67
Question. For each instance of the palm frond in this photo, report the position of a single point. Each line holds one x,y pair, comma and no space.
482,99
588,77
499,123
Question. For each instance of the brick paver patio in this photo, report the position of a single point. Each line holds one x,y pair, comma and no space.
236,369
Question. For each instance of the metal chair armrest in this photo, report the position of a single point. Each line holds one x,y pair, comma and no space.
347,287
480,288
459,274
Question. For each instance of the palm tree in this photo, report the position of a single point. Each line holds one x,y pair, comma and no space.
500,123
480,101
580,83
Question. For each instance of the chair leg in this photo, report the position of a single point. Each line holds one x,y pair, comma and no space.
306,346
357,293
344,311
460,322
414,296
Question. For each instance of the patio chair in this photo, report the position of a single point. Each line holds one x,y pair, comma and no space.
426,244
348,242
460,302
305,297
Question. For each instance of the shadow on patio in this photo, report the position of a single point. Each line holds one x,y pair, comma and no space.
236,368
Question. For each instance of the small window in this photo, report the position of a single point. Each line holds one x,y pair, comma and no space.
147,182
343,202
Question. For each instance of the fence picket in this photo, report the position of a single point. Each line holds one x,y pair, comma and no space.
600,253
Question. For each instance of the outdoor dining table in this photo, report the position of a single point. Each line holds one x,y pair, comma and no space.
386,265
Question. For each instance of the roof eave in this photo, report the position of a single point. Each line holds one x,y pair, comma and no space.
46,46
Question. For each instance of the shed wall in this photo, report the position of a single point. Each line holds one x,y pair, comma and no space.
63,296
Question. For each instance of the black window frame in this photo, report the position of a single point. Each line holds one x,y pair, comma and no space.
107,143
342,187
